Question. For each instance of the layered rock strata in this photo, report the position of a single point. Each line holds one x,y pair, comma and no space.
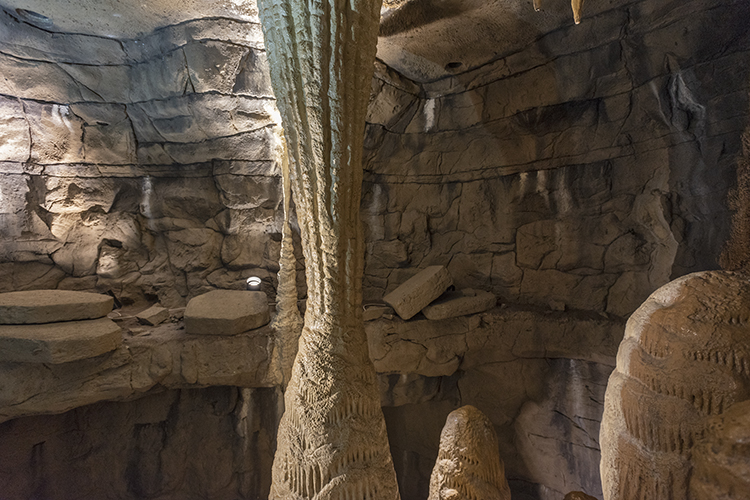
55,326
468,466
581,166
52,306
148,358
332,439
141,166
685,358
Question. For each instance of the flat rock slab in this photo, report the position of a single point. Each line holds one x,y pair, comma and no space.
58,342
226,312
460,303
52,306
418,291
153,316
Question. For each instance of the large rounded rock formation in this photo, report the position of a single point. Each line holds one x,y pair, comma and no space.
685,358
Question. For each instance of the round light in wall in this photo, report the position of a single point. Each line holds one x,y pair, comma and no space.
253,283
34,18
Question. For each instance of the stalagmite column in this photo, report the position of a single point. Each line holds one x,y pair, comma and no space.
332,441
685,358
468,466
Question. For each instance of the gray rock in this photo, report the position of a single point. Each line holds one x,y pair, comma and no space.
58,342
50,306
460,303
418,291
226,312
153,316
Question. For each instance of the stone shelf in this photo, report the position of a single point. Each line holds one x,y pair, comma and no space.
148,357
439,348
165,356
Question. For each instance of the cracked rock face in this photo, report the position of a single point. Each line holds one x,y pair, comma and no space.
468,466
685,358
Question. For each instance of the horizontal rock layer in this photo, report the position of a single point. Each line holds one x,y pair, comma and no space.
523,367
51,306
588,168
58,343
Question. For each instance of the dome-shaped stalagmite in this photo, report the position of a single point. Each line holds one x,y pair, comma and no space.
684,359
468,466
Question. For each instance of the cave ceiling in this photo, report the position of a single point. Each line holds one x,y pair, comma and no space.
425,40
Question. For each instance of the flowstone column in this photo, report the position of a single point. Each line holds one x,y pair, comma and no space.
332,440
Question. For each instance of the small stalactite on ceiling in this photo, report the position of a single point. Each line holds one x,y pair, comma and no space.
576,5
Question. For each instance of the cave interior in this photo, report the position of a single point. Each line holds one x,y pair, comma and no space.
569,169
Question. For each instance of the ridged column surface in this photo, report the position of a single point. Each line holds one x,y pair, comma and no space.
332,440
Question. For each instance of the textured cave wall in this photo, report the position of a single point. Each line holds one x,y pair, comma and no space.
214,443
132,165
586,171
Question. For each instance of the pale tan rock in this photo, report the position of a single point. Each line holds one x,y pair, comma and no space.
418,291
153,315
58,342
226,312
50,306
332,440
468,466
721,460
685,357
460,303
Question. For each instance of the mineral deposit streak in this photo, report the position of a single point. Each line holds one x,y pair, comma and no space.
332,441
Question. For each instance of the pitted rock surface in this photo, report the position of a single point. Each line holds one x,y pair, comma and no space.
468,466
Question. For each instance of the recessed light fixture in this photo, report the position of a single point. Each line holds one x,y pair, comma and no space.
34,18
253,283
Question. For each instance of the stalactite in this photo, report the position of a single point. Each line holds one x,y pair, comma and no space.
321,55
575,5
288,321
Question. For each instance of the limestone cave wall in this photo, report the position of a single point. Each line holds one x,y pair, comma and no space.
587,169
214,443
571,178
141,166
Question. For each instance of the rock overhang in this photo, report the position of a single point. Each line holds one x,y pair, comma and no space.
425,40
